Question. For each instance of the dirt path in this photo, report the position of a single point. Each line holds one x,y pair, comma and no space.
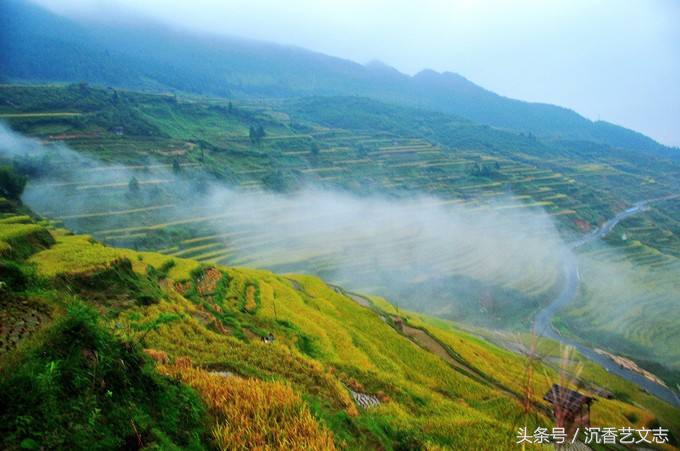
420,337
424,340
359,299
19,319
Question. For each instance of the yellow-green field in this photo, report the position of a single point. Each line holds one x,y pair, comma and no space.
326,343
176,150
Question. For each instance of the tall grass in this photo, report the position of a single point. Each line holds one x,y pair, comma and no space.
253,414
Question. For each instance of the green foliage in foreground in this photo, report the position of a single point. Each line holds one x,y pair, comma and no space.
78,387
11,183
217,315
76,381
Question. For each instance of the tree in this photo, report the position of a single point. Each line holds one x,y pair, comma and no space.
82,86
276,181
484,170
314,148
32,166
176,168
256,133
11,183
230,108
133,185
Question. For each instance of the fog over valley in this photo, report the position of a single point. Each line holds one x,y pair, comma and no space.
423,252
339,225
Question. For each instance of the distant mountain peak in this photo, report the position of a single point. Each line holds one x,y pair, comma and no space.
42,47
449,81
380,66
454,76
427,73
433,75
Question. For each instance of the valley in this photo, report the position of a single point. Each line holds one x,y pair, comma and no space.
373,154
339,225
202,324
614,364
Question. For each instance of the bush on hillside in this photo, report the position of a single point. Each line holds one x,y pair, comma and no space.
11,183
80,387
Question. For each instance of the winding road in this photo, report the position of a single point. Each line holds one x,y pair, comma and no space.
543,320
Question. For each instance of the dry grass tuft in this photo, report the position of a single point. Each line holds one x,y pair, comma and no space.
158,356
253,414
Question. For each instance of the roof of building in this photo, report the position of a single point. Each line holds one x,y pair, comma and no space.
566,398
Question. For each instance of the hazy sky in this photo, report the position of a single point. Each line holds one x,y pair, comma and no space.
618,60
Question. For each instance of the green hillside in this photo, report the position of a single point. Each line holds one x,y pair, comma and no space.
209,242
177,148
120,348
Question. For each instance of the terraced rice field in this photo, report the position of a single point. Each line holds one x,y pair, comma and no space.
577,187
391,163
163,217
630,301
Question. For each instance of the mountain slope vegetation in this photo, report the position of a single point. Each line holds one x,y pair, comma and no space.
209,368
208,242
146,166
40,46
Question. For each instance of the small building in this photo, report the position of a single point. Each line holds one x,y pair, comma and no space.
398,323
594,389
602,393
269,338
570,408
118,131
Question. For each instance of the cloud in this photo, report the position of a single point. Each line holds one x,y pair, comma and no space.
496,261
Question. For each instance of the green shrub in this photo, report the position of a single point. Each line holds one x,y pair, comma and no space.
83,388
11,183
12,277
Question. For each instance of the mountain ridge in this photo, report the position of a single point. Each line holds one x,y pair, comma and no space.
45,47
